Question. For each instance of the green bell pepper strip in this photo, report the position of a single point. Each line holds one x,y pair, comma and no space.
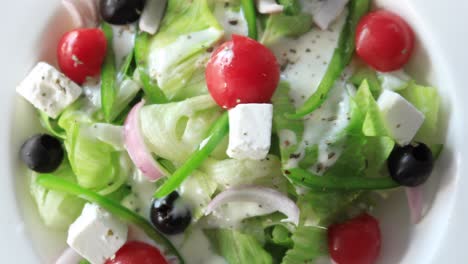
248,7
291,7
51,126
154,94
219,130
341,58
58,184
108,74
304,178
125,68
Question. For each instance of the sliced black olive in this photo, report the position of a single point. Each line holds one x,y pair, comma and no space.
170,215
411,165
121,12
42,153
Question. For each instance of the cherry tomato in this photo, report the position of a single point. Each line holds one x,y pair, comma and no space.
81,53
356,241
242,71
135,252
384,41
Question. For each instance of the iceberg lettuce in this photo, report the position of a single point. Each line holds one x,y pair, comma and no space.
96,158
174,130
238,248
177,54
57,210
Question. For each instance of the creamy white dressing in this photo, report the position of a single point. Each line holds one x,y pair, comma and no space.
305,61
231,215
92,91
198,249
232,21
161,59
144,190
324,126
288,137
123,42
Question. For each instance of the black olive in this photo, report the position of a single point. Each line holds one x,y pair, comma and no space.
170,215
121,12
42,153
411,165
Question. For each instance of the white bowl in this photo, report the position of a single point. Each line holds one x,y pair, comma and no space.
32,29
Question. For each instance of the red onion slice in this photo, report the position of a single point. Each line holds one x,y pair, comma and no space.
136,147
84,13
152,15
268,7
329,12
415,202
68,256
261,195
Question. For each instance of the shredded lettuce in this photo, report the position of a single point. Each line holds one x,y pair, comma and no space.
177,54
57,210
174,130
238,248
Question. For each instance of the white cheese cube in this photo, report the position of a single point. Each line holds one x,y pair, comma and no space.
48,89
250,131
401,118
96,235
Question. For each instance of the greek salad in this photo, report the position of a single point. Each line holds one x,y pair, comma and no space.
227,131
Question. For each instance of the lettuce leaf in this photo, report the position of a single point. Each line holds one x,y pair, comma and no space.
178,52
56,209
238,248
282,25
231,172
372,79
290,131
197,190
310,243
174,130
426,100
96,161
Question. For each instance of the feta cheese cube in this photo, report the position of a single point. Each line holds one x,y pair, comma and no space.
250,131
48,89
96,235
401,118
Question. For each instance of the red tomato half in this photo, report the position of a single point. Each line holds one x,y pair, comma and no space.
242,71
135,252
356,241
384,41
81,53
